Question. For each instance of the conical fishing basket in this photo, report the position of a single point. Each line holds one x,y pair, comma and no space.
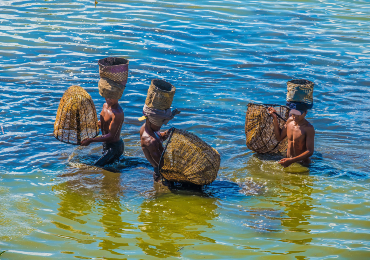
76,117
186,158
300,90
259,129
160,94
115,69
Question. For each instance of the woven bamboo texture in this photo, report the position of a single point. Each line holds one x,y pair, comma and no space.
160,94
300,90
76,117
115,69
110,89
259,129
189,159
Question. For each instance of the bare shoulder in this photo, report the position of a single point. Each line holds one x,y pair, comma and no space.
309,128
145,138
118,113
289,122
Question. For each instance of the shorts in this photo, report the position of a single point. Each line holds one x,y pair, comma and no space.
111,153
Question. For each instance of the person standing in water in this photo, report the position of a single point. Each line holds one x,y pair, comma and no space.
156,112
151,140
111,120
301,135
300,132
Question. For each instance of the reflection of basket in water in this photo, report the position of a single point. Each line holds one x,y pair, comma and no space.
259,129
189,159
160,94
76,117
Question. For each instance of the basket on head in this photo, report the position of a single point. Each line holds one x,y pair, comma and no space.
160,94
110,89
115,69
189,159
300,90
259,129
76,117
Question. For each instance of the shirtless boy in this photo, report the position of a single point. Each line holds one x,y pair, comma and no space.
111,120
300,137
151,143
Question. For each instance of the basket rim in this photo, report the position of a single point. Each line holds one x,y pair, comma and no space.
173,88
299,82
123,64
70,142
267,105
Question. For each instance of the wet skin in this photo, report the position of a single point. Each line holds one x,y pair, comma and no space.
300,135
111,120
151,144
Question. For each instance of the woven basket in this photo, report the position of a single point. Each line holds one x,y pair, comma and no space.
115,69
160,94
76,117
189,159
110,89
259,129
300,90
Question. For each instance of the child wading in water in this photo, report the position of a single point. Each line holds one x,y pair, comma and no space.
111,120
300,137
156,115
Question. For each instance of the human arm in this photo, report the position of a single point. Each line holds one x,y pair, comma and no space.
280,134
114,127
165,134
310,146
151,151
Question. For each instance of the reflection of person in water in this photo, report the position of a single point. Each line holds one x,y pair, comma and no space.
79,198
164,218
111,211
297,203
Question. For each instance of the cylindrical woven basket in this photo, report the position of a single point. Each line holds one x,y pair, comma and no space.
76,117
160,94
259,129
300,90
115,69
110,89
189,159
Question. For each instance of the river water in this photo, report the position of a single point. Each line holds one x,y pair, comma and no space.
220,55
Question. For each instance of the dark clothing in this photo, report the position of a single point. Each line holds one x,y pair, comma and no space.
111,153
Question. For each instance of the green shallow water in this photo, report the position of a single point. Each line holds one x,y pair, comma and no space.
95,214
220,56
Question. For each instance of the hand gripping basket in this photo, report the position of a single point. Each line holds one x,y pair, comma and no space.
300,90
76,117
259,129
115,69
189,159
160,94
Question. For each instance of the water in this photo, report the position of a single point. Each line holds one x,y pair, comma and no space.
220,56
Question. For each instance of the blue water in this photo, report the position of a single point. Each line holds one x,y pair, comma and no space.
220,56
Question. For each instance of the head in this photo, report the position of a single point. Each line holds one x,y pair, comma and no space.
111,101
298,115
